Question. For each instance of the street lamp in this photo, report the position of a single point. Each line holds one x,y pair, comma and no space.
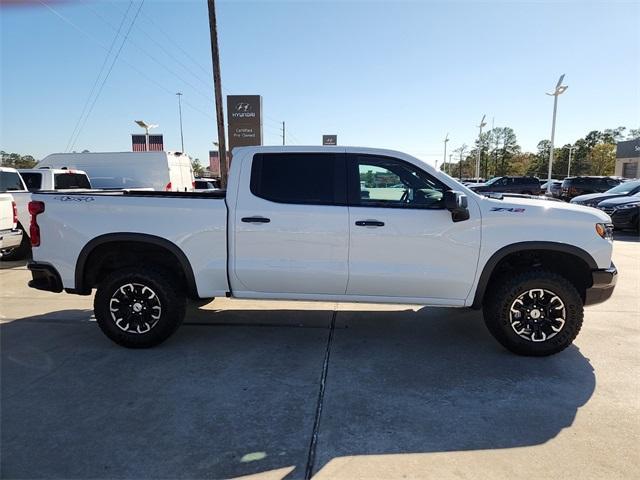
179,95
147,127
482,124
462,149
444,160
559,90
571,149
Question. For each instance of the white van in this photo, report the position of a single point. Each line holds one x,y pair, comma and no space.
168,171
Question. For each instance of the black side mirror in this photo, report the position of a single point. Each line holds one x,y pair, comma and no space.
457,204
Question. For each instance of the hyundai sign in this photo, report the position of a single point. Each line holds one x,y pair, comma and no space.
244,120
329,139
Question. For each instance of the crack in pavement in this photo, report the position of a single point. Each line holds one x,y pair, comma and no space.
311,457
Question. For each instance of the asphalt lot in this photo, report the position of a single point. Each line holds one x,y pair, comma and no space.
250,388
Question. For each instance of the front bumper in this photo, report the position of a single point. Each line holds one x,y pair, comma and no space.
10,238
627,218
603,283
44,277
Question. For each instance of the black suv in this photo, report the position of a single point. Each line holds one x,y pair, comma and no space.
524,185
574,186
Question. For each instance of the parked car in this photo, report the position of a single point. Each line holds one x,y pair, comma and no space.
523,185
169,171
624,211
575,186
10,234
206,184
11,182
293,224
472,181
625,189
45,178
554,183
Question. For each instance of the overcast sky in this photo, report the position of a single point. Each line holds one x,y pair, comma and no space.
384,74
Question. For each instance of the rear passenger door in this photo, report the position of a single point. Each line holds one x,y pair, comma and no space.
291,225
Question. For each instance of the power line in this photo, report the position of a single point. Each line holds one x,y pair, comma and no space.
104,80
195,61
129,64
95,83
196,89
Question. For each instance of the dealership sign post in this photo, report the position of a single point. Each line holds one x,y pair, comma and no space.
329,139
244,120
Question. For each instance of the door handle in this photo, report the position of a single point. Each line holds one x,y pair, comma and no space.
369,223
256,220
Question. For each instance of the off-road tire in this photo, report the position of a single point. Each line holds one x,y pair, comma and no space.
504,291
168,294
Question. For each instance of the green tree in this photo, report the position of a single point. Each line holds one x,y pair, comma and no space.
15,160
603,159
198,169
633,134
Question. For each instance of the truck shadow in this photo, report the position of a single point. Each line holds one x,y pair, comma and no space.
234,392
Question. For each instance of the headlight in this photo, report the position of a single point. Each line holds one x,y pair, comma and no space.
605,230
626,205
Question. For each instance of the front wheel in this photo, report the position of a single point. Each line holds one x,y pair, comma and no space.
534,313
139,307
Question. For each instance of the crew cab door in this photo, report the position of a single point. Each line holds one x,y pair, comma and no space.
403,242
291,225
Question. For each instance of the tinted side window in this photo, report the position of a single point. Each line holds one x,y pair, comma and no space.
10,182
302,178
32,180
66,181
378,181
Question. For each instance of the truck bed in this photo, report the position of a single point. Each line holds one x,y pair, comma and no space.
74,223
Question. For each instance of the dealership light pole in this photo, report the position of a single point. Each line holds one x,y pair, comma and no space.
179,95
444,160
559,90
462,149
482,124
147,127
217,85
571,149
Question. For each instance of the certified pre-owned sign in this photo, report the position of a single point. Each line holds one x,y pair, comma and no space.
244,119
329,139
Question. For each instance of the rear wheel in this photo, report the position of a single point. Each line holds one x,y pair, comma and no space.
534,313
139,307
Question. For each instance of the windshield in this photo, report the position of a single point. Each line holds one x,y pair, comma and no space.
493,180
626,187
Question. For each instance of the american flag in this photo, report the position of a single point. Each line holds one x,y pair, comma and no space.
139,143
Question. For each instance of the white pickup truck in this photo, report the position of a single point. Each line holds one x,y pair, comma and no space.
10,234
330,224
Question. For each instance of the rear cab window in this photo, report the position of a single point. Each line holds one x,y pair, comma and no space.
33,180
10,182
299,178
68,181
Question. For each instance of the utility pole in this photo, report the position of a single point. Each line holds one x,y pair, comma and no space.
217,85
482,124
180,113
283,133
571,149
449,166
446,139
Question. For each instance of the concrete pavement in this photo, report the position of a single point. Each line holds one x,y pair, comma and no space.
409,392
